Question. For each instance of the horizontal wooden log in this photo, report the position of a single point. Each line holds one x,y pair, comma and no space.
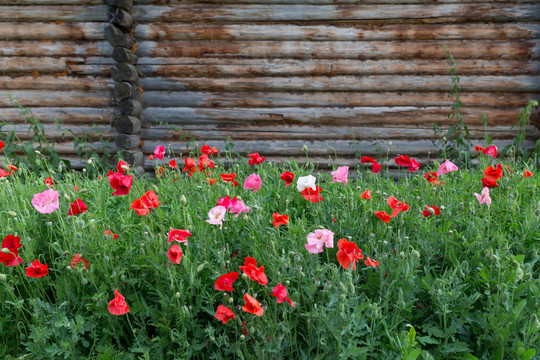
47,82
327,99
254,13
54,12
31,98
308,2
286,32
55,48
65,133
51,2
51,31
345,83
57,66
129,142
118,37
219,131
358,116
341,49
73,115
323,67
316,148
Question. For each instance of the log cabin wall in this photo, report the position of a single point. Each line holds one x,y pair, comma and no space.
336,75
55,61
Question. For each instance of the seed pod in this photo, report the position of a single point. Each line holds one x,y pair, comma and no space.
305,148
6,251
415,254
183,200
177,295
3,277
11,213
200,267
519,273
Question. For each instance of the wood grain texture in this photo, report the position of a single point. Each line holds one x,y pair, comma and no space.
71,115
33,98
47,82
55,48
51,31
282,13
53,13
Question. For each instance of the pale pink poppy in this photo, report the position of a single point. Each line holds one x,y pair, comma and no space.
340,175
159,151
46,202
253,182
216,215
318,239
446,167
484,198
237,207
305,182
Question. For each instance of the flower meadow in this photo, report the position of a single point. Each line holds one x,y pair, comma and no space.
255,260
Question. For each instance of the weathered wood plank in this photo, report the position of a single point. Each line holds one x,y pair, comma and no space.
24,132
327,99
31,98
55,48
51,2
316,148
211,132
255,13
341,49
344,83
323,67
73,115
288,32
51,31
47,82
54,13
310,2
357,116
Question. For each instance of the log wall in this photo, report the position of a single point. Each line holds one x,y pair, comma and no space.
54,60
333,74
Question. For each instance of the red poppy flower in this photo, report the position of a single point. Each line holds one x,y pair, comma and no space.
160,171
370,262
12,168
383,216
489,183
375,167
492,174
204,162
110,233
397,205
175,254
431,210
118,306
288,177
252,305
78,207
527,173
279,220
280,292
490,150
122,167
77,258
12,243
173,164
348,254
209,151
225,282
145,203
431,177
37,270
366,195
178,235
211,181
256,159
1,145
366,159
4,173
253,272
120,183
229,178
403,160
312,195
224,314
49,181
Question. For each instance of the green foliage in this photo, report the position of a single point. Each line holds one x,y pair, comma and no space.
516,149
461,285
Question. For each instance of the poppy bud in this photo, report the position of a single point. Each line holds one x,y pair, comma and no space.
244,276
6,251
402,254
3,179
125,167
183,200
84,281
69,268
80,223
431,210
84,170
3,277
200,267
245,218
231,300
66,197
11,213
106,258
177,295
519,273
227,192
242,337
156,190
305,148
287,283
536,322
415,254
342,286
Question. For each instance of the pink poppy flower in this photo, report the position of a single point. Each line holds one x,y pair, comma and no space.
484,198
446,167
317,240
224,201
280,292
253,181
178,235
46,202
340,175
237,207
216,215
159,151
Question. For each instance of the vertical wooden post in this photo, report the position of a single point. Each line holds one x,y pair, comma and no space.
119,33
